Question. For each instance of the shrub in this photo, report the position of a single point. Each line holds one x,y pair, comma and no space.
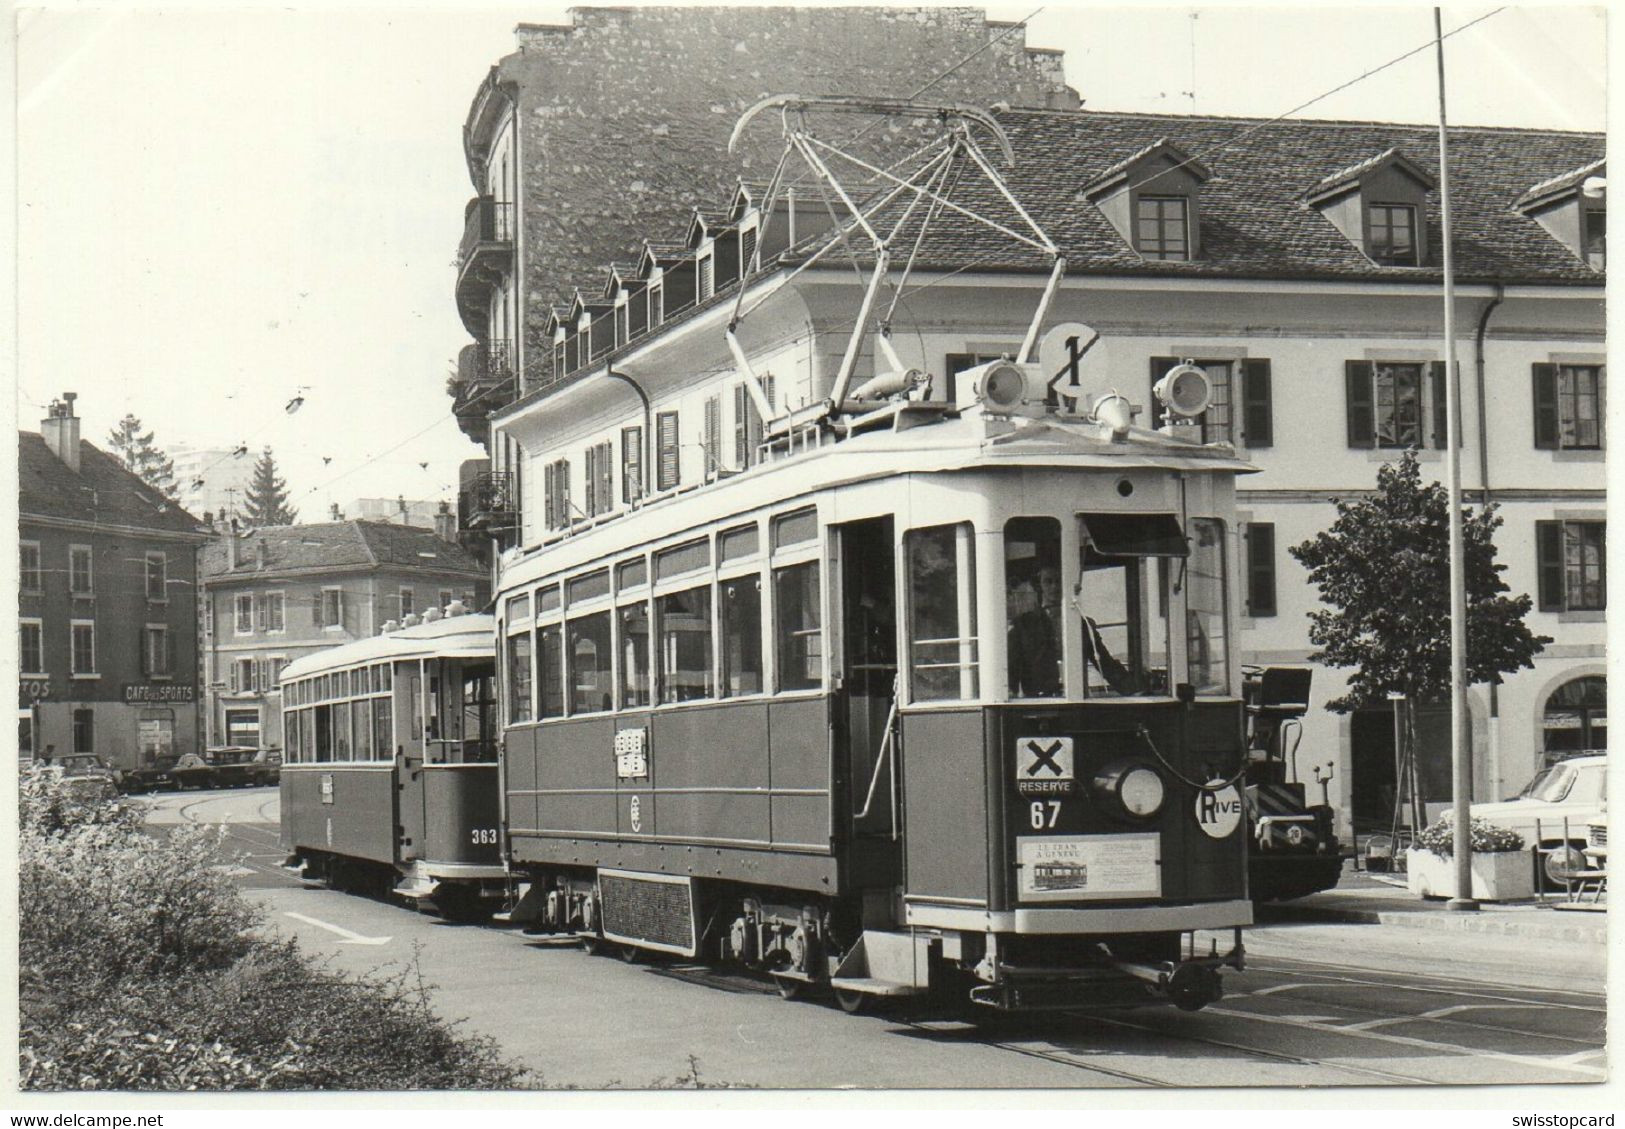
1441,840
141,968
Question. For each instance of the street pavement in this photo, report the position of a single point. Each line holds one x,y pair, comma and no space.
1324,1001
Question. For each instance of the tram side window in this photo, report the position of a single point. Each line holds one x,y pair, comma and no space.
341,731
1032,581
382,728
683,621
798,627
519,676
634,655
324,733
1206,643
942,638
550,670
591,679
290,728
365,746
741,618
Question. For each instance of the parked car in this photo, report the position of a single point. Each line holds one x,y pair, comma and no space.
267,767
87,776
1575,790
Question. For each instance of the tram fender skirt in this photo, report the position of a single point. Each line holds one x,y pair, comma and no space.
529,906
886,964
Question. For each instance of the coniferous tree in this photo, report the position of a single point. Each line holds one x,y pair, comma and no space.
142,457
267,501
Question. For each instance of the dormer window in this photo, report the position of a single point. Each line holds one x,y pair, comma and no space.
1391,235
1572,212
1152,198
1162,227
1379,205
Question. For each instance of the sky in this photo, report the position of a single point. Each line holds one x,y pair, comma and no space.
224,208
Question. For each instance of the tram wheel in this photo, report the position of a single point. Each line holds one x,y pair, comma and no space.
851,1002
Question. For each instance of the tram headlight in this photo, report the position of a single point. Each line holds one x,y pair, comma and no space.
1135,787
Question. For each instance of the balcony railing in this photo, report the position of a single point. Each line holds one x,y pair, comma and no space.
482,365
485,221
488,501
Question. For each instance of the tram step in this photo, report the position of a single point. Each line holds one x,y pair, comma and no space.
870,986
416,887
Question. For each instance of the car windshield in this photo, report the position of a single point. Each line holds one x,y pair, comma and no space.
1550,785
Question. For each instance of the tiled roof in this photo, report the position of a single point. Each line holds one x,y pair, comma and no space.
338,544
1254,222
1355,171
102,491
1559,184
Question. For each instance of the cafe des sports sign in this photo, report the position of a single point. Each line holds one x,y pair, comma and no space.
157,693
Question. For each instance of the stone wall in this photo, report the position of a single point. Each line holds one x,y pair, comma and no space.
625,115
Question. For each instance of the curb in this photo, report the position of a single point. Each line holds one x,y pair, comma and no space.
1493,924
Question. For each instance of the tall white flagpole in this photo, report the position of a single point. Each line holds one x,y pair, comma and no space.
1460,761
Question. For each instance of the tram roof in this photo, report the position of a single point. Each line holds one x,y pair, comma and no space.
963,444
458,636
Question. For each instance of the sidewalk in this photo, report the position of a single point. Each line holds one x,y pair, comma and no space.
1369,899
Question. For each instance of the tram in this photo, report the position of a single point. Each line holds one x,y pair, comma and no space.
389,784
937,689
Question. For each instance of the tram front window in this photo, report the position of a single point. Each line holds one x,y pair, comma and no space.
1032,579
684,624
741,615
590,651
1114,595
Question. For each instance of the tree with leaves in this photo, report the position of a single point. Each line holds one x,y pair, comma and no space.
1384,570
142,457
267,501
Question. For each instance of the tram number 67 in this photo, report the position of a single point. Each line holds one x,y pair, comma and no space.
1044,814
483,836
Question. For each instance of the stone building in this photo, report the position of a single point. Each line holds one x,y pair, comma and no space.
274,594
591,135
107,604
1301,270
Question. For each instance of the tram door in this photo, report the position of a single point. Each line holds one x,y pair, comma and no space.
868,610
409,714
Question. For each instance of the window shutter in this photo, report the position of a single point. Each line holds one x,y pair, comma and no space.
548,505
1549,565
564,492
1159,369
144,643
713,434
1546,418
670,468
1257,420
1362,426
1441,424
316,608
606,476
632,484
591,495
747,250
743,409
169,652
236,680
1260,568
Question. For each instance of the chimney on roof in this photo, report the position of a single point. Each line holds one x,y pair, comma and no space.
445,523
208,520
231,546
400,501
333,512
60,430
260,557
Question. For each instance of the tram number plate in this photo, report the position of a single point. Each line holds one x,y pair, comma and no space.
327,787
1044,766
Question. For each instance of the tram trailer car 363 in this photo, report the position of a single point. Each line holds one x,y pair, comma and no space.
390,778
1294,850
950,702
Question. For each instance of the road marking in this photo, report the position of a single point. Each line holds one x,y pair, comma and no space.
1533,1061
1477,989
1440,1013
349,937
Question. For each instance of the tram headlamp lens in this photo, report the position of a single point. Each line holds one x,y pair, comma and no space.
1141,791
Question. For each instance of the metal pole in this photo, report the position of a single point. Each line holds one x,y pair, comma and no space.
1461,766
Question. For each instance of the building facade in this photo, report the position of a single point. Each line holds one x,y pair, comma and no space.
592,135
107,604
212,480
275,594
1300,271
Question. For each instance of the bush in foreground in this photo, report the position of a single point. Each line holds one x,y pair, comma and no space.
141,968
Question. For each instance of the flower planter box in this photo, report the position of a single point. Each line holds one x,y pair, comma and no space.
1501,876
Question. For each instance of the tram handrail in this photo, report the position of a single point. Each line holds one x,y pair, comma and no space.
885,758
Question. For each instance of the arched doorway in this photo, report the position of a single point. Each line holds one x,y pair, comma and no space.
1575,719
